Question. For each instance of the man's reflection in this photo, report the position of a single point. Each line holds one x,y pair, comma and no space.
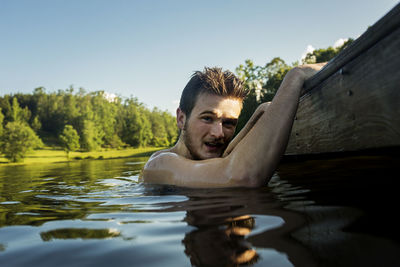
226,232
221,244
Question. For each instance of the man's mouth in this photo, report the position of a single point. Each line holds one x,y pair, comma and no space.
214,145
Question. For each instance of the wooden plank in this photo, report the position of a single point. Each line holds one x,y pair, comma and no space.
355,109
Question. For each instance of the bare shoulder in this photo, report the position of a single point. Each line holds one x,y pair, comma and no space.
161,167
159,159
155,154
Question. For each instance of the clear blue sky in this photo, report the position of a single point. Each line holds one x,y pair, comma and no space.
149,49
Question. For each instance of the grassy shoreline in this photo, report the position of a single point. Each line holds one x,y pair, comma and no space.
52,155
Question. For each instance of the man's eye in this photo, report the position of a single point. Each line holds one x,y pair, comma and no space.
207,119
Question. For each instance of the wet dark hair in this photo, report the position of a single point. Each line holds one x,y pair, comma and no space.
212,81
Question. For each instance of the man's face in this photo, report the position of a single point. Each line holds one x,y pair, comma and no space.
211,125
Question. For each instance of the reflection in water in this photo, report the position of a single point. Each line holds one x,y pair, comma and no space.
70,233
221,245
331,213
41,193
236,226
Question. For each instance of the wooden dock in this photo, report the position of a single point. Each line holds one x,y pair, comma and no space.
353,103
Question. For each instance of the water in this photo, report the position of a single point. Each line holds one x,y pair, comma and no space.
338,212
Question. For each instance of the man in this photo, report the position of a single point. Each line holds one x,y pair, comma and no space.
204,155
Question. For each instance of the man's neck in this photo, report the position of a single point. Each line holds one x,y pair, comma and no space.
181,149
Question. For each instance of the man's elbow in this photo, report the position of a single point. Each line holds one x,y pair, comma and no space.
251,179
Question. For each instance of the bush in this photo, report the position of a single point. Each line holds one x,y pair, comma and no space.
17,140
69,139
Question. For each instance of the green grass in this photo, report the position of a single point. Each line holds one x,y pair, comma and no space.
50,155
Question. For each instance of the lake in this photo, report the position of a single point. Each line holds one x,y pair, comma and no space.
327,212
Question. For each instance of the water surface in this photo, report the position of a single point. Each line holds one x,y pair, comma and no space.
338,212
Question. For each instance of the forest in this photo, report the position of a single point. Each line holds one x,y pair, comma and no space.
86,121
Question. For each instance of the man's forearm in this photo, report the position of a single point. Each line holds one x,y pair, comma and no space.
255,158
249,125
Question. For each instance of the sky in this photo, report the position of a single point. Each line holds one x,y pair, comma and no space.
149,49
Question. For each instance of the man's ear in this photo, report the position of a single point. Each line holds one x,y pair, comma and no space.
180,118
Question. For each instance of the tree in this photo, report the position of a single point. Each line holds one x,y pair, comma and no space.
18,113
1,122
170,127
325,54
17,140
133,123
146,134
262,82
129,123
36,124
160,134
276,70
91,136
253,77
104,115
69,139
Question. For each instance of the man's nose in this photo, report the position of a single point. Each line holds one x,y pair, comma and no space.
216,130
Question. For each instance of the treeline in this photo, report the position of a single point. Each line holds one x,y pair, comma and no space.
86,121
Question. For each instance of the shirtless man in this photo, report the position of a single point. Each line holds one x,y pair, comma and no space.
204,155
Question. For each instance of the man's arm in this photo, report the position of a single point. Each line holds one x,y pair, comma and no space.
249,125
254,154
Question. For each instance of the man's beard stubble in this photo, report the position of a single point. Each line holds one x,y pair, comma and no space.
189,143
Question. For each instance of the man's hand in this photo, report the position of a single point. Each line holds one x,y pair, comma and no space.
308,70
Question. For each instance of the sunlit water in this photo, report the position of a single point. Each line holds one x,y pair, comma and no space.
97,213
